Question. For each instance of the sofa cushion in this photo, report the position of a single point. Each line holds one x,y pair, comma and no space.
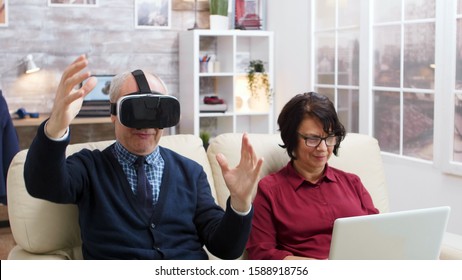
360,154
229,144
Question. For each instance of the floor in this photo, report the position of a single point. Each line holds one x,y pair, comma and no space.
6,238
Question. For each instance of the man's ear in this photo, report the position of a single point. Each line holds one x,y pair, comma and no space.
113,119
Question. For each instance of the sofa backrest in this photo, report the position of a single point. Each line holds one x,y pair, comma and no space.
42,227
359,154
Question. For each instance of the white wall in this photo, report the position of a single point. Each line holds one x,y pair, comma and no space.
290,21
411,184
57,35
416,184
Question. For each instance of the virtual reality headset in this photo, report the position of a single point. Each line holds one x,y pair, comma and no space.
146,108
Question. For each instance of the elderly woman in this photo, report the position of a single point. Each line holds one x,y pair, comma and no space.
295,208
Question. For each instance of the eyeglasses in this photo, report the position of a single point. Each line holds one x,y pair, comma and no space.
314,141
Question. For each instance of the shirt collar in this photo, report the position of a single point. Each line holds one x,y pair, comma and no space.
296,180
124,155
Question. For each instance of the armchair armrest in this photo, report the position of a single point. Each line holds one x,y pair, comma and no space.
451,249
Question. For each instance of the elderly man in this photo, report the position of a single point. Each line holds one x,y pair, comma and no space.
136,199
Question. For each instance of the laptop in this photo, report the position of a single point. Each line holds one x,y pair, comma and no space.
405,235
96,103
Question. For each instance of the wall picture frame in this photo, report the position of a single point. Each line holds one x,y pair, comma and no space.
153,14
249,14
3,13
73,3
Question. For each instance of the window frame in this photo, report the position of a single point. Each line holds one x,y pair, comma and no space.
335,87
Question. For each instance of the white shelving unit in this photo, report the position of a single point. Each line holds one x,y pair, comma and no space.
224,76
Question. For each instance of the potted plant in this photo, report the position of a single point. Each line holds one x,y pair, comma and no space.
205,136
258,82
218,14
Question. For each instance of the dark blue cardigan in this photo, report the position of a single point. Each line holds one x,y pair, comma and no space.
9,145
114,226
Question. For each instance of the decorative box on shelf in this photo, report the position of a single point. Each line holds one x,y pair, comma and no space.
212,104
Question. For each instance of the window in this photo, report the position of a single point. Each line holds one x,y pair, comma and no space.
457,138
337,57
402,73
398,65
403,38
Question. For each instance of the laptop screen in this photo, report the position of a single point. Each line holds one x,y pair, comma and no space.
101,90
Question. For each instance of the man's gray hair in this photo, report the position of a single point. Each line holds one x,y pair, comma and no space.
119,80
